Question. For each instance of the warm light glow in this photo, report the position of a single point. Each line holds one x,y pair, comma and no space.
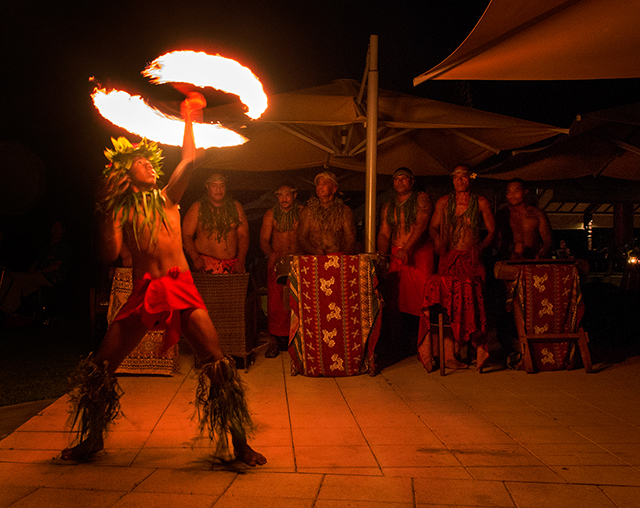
136,116
214,71
633,260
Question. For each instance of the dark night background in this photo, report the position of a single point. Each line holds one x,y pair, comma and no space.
52,139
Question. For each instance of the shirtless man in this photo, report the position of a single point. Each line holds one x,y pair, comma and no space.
523,230
163,296
455,230
403,222
278,237
326,223
215,232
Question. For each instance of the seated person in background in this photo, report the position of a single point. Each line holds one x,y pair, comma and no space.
50,270
523,230
455,230
278,237
563,252
326,224
215,232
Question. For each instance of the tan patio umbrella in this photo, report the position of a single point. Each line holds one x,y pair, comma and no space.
548,40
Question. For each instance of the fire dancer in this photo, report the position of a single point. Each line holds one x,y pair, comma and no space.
278,237
326,223
133,211
215,232
455,230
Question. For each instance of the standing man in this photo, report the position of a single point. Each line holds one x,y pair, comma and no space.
403,222
164,296
215,232
524,231
326,223
455,230
278,237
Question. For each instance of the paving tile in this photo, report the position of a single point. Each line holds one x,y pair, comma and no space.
629,453
68,498
461,492
600,475
610,434
418,434
444,472
29,475
494,455
147,500
28,456
336,503
334,456
93,476
174,458
487,433
627,497
187,481
322,419
353,471
519,418
547,434
9,494
567,454
515,473
281,485
227,501
549,495
413,456
595,417
366,488
328,436
54,441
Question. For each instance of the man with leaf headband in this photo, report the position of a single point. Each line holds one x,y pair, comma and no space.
215,232
135,213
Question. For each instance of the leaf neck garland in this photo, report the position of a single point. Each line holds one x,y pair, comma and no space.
143,209
454,225
286,219
218,219
410,208
330,218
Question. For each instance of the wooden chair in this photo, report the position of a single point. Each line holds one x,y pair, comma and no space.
547,308
232,310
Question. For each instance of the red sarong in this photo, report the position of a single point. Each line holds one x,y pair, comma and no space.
216,266
158,302
278,316
412,277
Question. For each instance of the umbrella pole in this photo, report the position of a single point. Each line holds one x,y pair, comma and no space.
372,148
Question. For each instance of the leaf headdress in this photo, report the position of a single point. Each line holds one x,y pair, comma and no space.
147,204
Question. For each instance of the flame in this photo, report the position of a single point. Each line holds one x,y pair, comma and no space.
136,116
204,70
200,69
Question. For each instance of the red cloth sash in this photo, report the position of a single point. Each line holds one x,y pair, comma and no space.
278,317
412,277
215,265
159,301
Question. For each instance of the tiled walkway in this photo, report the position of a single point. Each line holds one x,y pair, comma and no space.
404,438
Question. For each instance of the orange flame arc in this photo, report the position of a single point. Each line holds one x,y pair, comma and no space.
136,116
204,70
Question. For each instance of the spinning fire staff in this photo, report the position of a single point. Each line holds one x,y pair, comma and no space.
133,211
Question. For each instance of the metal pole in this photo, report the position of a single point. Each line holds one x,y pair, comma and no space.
372,148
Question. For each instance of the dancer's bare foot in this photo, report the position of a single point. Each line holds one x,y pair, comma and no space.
84,450
248,455
482,356
452,363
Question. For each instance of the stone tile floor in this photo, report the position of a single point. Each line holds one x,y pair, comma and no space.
404,438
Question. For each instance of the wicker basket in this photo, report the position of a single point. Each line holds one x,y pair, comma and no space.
231,310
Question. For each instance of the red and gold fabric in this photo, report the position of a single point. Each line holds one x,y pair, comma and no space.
148,357
335,315
463,299
551,302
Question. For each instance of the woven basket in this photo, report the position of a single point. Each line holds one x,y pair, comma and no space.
231,310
